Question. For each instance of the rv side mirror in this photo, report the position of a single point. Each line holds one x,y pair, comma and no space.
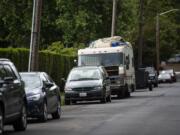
75,61
63,79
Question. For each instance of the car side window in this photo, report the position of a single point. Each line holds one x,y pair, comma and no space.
44,79
2,72
9,71
15,71
127,62
48,78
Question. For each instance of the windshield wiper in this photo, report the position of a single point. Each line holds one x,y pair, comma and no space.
81,79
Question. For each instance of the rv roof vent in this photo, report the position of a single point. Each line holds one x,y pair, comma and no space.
118,43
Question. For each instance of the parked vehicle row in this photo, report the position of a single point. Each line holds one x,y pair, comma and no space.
167,76
105,68
87,83
116,56
146,78
26,95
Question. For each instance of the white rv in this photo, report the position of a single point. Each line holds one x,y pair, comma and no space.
116,56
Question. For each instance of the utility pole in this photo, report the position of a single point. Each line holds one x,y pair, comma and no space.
157,43
141,33
35,36
113,18
158,36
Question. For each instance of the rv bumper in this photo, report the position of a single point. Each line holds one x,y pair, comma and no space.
116,89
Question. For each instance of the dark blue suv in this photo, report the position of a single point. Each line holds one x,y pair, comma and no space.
12,97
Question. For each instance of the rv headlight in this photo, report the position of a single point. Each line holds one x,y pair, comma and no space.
98,87
34,97
68,89
121,70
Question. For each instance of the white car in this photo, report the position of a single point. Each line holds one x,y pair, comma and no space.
164,77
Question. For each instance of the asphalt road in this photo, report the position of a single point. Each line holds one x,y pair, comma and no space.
145,113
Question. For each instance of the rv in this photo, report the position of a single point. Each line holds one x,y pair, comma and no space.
116,56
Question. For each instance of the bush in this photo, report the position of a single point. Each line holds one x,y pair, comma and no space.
56,65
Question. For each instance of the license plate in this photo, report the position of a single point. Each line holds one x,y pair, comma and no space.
82,94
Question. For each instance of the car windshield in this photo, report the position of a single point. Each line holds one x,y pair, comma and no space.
84,74
164,75
167,72
104,59
150,70
32,81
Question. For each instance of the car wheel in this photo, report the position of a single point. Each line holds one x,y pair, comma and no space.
156,85
103,100
57,113
133,88
150,87
21,123
127,93
44,115
1,122
109,98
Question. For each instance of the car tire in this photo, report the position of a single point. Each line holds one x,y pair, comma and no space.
103,100
156,85
150,87
132,88
44,116
57,113
21,123
127,93
108,98
1,121
121,94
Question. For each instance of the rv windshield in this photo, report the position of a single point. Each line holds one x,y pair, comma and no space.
104,59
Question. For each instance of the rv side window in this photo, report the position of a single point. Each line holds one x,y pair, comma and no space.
132,62
127,62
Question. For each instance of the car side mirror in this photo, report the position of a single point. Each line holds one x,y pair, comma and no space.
8,79
48,84
63,79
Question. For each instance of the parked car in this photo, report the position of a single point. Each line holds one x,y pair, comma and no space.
153,76
87,83
43,95
12,97
172,73
174,59
142,79
164,77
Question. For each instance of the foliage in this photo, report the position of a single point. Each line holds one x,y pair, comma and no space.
74,23
58,47
57,66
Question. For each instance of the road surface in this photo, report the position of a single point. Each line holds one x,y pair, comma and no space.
145,113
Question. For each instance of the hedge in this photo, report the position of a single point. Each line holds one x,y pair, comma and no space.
56,65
